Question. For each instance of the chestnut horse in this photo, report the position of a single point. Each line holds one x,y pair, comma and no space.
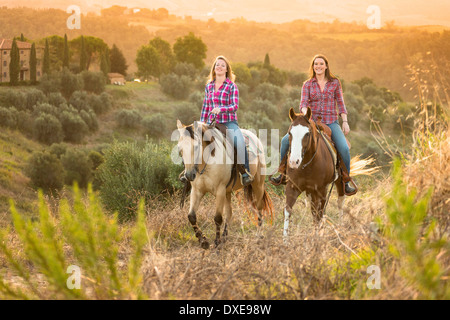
213,173
310,167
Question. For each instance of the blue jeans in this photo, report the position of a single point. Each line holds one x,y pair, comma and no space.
338,138
238,140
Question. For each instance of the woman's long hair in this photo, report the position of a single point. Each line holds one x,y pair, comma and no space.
230,75
328,74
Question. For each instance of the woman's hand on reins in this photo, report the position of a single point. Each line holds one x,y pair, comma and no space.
215,111
345,127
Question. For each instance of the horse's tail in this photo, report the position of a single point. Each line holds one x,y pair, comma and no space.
268,206
360,167
267,211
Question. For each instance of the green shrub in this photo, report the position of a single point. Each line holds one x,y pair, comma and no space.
90,118
47,129
56,99
58,149
196,98
268,91
266,106
131,172
34,97
45,171
175,86
50,83
75,129
128,118
155,126
78,167
45,108
95,103
8,117
413,242
83,236
14,98
70,83
94,81
80,101
186,112
185,69
96,159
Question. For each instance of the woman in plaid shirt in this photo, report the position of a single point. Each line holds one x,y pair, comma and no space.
322,92
221,102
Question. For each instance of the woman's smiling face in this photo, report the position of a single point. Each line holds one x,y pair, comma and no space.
220,68
319,66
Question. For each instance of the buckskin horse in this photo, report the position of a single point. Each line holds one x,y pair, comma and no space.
213,172
311,167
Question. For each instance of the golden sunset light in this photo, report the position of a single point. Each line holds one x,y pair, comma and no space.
223,158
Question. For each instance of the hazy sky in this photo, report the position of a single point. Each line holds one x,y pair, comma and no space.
404,12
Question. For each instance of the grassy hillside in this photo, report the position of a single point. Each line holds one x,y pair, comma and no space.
387,224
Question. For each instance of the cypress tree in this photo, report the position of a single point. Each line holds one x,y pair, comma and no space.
14,65
33,63
83,55
104,65
266,61
46,63
118,62
66,53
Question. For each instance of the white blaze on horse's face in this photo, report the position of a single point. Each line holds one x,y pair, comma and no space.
298,132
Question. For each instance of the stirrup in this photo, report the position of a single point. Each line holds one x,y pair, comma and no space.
281,179
354,186
250,178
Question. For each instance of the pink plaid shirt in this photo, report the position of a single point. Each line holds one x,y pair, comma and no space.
323,103
226,98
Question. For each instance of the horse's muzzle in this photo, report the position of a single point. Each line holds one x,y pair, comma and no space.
191,174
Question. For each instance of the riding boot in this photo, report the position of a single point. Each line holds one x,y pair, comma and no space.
346,179
349,190
281,179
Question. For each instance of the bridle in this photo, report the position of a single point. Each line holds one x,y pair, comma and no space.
210,125
307,147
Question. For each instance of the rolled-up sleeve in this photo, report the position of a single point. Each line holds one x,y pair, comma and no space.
340,98
233,100
304,102
205,107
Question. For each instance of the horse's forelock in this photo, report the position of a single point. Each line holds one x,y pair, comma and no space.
190,131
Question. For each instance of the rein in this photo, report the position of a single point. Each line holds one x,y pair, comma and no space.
210,125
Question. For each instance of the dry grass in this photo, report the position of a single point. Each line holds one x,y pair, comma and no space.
258,264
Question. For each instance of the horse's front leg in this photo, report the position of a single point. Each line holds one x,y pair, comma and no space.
292,194
220,201
228,214
196,196
318,200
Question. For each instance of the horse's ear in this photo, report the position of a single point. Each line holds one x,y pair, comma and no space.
292,114
308,113
180,125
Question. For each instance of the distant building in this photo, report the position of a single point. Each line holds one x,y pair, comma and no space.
116,78
24,51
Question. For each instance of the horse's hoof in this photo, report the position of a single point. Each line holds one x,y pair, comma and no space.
205,245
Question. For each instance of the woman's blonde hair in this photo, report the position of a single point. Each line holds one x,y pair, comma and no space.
230,75
330,76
